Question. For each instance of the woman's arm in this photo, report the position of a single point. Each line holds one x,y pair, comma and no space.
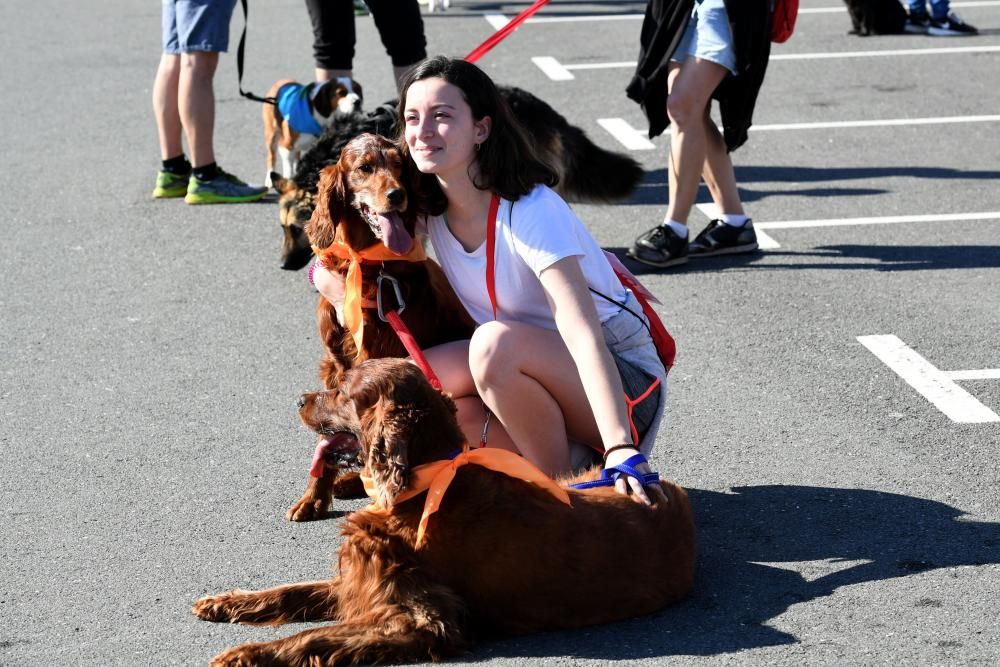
580,328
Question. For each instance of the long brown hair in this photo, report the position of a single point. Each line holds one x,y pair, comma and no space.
508,164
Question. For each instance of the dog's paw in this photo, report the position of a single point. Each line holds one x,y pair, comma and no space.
349,486
308,508
216,608
247,655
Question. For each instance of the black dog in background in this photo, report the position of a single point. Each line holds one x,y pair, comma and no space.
876,17
586,171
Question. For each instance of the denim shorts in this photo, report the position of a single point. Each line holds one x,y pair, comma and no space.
639,365
708,36
196,25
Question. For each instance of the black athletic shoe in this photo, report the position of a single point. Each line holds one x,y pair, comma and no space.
917,23
660,247
950,26
722,239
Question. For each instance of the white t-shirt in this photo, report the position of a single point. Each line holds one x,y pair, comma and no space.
532,234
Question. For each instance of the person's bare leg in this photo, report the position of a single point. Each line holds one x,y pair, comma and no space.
450,363
168,117
196,100
528,379
718,171
332,74
691,86
400,73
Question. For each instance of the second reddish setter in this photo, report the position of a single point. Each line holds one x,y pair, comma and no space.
501,556
364,209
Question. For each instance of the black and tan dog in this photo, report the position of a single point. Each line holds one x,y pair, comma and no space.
876,17
300,114
586,171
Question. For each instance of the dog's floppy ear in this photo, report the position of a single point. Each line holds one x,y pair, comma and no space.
386,427
331,196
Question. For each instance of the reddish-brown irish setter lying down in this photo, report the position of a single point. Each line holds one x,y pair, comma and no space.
363,211
501,556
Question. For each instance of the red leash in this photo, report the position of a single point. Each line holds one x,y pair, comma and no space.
410,343
502,33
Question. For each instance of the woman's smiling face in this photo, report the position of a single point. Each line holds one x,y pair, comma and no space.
440,130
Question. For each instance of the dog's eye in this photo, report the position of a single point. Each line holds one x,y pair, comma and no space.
366,168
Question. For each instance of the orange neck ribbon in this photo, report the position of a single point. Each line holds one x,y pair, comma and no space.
435,478
353,318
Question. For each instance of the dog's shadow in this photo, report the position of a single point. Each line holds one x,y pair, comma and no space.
765,548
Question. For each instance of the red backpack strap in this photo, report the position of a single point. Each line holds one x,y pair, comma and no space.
491,244
666,348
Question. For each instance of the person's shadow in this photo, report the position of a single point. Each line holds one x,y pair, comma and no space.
653,190
832,258
823,538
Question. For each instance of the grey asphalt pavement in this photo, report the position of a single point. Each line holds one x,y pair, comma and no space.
151,353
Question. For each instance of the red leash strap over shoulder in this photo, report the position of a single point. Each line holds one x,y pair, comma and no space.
491,244
502,33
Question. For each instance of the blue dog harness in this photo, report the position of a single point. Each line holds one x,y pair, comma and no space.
294,106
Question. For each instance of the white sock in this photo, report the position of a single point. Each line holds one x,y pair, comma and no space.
734,219
679,228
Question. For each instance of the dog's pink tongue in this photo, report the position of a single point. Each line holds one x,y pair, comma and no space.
394,234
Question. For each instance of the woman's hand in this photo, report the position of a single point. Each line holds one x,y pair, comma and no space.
628,485
329,284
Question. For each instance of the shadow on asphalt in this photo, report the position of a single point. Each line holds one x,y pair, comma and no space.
654,185
836,537
878,258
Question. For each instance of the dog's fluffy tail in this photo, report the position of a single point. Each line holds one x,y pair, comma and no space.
587,172
591,173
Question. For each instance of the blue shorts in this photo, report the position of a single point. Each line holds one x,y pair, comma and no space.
708,36
638,364
196,25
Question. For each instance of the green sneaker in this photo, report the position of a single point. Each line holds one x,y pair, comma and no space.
170,185
223,189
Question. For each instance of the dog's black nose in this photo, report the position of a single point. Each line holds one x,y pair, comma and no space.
302,401
396,196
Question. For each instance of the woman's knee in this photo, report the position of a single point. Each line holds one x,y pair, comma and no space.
684,110
491,353
200,64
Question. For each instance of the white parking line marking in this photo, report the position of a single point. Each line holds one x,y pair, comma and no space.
984,374
884,220
552,69
878,54
629,137
630,64
885,122
638,17
499,20
934,385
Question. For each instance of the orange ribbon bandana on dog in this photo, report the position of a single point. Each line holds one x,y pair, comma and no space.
353,298
435,478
